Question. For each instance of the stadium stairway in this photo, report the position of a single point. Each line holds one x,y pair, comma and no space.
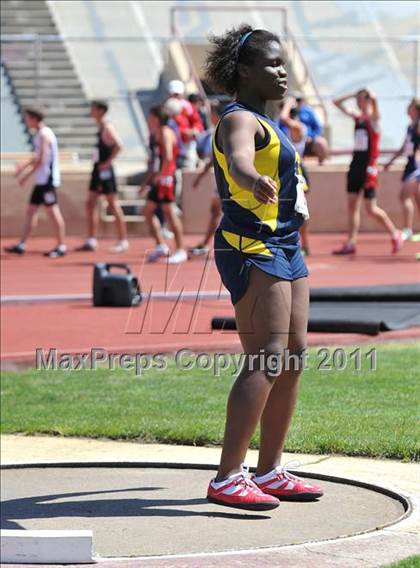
40,71
14,135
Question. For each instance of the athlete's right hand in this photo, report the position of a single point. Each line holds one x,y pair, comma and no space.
265,190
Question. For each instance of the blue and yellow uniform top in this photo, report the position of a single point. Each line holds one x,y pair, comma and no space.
264,234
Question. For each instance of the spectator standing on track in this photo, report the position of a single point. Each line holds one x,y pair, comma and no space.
162,189
45,167
103,181
189,123
204,146
298,134
362,177
410,189
316,144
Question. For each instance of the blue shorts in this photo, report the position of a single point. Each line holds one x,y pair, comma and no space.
411,171
285,263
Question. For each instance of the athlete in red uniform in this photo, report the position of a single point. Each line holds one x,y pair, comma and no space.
362,177
162,188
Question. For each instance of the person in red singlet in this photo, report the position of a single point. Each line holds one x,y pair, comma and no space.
362,177
162,189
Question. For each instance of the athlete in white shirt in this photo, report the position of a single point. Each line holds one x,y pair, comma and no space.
44,166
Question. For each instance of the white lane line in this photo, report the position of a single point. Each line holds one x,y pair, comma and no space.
181,294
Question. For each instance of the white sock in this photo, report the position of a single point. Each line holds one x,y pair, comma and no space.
265,477
92,241
218,484
22,244
62,248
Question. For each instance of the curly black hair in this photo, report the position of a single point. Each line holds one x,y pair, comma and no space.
226,52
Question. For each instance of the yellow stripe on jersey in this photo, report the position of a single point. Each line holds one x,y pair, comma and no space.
266,163
302,179
245,244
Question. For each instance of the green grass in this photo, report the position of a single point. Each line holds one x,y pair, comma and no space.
410,562
365,413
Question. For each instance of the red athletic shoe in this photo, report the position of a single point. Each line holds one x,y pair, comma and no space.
397,242
240,492
288,487
346,249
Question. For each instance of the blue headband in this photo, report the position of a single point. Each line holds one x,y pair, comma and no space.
244,38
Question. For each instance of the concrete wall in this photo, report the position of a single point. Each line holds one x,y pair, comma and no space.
327,202
72,196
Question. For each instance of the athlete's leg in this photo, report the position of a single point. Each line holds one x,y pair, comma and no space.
31,219
407,195
354,201
417,195
373,210
153,221
58,222
262,318
117,211
280,405
174,222
92,214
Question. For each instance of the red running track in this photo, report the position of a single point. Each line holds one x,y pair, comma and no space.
165,325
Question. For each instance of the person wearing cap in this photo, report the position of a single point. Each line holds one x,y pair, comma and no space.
188,121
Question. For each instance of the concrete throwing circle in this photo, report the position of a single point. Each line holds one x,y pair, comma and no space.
139,511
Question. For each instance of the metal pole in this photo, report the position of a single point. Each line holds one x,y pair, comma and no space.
37,66
172,20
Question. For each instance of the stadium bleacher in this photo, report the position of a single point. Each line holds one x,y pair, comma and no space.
121,50
42,73
14,137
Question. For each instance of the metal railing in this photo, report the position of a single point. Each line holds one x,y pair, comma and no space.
406,48
305,79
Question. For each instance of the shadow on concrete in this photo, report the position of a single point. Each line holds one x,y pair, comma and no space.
41,507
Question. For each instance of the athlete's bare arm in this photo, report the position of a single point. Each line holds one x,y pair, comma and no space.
37,159
236,136
339,103
295,126
397,154
376,115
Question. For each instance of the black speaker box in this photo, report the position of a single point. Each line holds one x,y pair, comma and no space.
115,288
